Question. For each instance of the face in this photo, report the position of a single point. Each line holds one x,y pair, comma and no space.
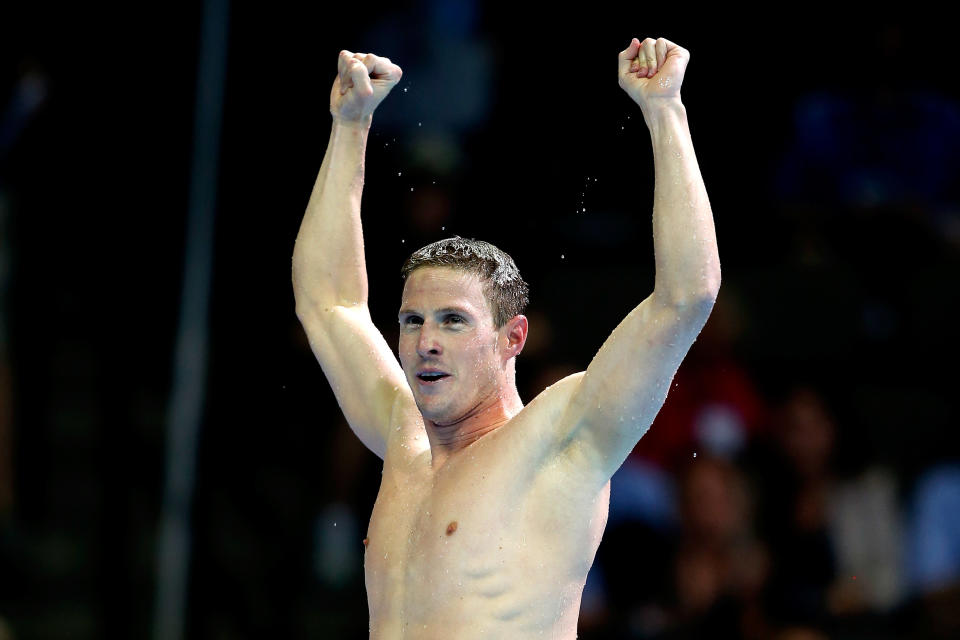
446,325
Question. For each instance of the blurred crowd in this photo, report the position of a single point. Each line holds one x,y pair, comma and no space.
751,508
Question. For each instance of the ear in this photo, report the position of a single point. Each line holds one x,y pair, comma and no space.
515,332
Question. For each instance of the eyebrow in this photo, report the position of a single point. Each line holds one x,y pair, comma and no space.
457,310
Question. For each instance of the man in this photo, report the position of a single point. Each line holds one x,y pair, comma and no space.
490,513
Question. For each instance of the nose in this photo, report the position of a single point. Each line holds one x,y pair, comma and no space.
427,343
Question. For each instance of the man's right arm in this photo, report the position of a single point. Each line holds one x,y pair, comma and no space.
330,280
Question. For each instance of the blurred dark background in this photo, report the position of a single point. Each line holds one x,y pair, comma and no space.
803,478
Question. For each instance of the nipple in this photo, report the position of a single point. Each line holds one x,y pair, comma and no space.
451,527
366,541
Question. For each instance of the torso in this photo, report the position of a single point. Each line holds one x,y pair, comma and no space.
496,543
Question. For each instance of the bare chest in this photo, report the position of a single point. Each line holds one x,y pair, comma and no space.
485,541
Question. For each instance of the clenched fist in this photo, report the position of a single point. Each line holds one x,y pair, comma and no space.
363,81
652,70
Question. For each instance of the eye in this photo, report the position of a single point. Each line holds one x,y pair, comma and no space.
412,320
455,319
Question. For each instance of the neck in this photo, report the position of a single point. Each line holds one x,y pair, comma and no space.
446,440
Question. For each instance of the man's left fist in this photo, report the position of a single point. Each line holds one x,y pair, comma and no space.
652,70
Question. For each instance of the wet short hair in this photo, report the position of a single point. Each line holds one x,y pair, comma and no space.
504,289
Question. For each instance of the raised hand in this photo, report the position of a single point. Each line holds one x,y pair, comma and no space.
363,81
652,70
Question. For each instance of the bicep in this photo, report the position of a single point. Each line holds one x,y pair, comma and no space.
626,383
361,368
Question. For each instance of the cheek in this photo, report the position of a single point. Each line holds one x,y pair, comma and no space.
405,348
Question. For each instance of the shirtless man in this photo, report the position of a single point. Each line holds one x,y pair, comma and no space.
490,512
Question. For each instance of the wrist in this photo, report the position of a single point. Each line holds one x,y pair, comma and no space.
662,112
363,124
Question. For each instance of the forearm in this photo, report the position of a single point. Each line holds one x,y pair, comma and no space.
685,242
328,259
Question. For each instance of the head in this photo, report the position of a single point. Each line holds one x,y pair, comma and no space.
461,314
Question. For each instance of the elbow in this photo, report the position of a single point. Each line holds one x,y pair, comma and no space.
697,298
712,284
709,287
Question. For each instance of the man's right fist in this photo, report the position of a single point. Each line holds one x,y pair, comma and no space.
363,81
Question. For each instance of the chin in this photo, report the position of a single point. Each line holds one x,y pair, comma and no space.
439,416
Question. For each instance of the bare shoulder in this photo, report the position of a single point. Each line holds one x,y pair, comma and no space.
407,441
560,459
556,397
536,430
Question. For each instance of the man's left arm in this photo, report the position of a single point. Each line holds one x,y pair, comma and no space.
626,383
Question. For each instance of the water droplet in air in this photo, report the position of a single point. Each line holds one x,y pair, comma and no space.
405,89
420,124
411,188
402,241
561,256
584,209
334,524
443,228
694,454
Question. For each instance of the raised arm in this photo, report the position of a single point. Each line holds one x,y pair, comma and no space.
329,272
626,383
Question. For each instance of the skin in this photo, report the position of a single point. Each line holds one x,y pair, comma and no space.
467,538
490,512
481,394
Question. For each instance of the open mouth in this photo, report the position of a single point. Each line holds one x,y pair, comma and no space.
432,377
